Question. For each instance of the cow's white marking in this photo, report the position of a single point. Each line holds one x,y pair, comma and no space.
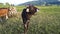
6,17
37,10
27,10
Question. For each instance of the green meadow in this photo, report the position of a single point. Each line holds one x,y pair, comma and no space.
46,21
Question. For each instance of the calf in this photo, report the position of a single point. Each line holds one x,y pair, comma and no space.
26,15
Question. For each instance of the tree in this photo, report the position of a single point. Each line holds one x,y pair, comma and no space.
1,5
7,4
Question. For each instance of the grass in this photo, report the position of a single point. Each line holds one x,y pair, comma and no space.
46,21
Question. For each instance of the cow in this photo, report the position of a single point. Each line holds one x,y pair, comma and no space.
12,11
4,13
26,15
7,12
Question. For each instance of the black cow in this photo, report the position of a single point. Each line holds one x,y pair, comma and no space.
26,15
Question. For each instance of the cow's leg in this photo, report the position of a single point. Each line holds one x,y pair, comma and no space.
1,19
25,28
6,17
27,24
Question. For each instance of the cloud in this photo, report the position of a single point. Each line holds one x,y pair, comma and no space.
14,1
58,0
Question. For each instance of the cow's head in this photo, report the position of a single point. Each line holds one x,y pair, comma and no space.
32,9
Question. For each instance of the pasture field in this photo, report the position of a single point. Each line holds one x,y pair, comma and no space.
46,21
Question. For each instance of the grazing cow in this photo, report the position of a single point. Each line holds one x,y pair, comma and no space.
12,11
4,12
26,15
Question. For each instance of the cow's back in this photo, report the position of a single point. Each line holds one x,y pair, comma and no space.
3,11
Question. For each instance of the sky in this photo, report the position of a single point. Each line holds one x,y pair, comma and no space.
15,2
58,0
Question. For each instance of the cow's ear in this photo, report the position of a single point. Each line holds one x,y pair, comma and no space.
27,10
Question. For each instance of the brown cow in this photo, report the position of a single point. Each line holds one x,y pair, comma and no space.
4,12
26,15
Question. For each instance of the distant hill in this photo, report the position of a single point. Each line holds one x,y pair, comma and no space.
41,2
31,2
